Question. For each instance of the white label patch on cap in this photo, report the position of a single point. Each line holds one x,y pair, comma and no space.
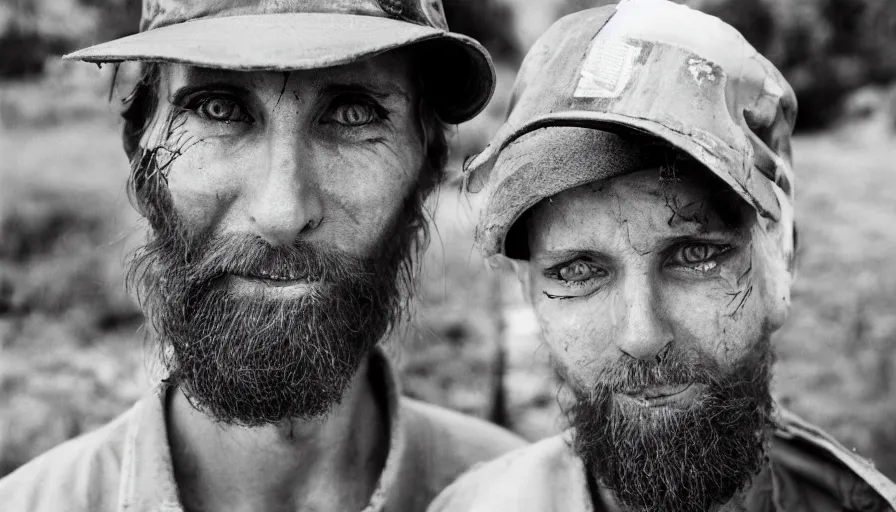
607,69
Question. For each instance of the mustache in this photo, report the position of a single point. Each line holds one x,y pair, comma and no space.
682,461
672,368
251,256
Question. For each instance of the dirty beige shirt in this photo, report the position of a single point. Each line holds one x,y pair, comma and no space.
808,472
125,466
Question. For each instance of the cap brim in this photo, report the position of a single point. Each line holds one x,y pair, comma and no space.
544,162
757,190
521,167
461,70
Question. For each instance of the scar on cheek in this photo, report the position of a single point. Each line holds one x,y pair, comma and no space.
175,140
738,280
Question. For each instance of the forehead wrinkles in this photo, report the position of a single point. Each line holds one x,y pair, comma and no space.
384,74
643,206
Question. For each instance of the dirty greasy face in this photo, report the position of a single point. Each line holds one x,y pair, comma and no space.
327,154
646,263
657,292
285,208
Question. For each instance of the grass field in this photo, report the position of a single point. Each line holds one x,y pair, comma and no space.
71,354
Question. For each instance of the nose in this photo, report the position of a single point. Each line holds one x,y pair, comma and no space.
643,332
287,201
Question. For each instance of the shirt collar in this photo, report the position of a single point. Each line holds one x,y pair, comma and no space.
147,474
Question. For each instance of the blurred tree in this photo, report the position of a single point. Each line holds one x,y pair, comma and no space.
752,18
30,30
117,18
22,52
488,21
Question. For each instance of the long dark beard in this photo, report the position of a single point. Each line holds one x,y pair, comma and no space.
259,361
681,460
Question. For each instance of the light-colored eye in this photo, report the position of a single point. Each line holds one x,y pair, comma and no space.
699,257
693,254
222,110
576,271
354,114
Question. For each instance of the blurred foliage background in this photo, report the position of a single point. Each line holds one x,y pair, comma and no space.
72,343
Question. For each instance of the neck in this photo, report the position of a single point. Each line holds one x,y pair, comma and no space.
321,464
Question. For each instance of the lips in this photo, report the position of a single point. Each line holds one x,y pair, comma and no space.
658,391
677,395
265,282
272,276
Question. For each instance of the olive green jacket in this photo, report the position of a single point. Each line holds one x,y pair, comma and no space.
808,471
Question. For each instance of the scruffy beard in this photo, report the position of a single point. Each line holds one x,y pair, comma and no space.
677,460
258,361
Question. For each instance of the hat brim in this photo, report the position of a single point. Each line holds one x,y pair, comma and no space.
460,75
492,232
757,190
542,163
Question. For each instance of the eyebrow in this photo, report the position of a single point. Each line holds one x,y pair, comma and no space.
662,244
565,254
378,91
713,236
178,97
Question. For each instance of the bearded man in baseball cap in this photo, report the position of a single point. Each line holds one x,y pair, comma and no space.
281,152
642,189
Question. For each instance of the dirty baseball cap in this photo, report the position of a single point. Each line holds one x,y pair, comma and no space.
639,73
288,35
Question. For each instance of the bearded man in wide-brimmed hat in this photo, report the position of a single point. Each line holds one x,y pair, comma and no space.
281,152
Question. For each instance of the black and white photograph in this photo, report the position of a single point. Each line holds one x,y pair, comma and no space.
447,255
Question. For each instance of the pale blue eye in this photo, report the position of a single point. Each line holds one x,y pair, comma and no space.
354,115
221,110
576,271
694,254
698,257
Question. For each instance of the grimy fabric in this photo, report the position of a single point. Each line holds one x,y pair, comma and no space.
551,160
288,35
125,466
808,471
652,67
160,13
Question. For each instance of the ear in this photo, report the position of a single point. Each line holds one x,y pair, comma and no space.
779,309
781,243
779,274
519,267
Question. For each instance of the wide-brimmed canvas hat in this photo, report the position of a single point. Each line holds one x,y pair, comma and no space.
289,35
643,70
